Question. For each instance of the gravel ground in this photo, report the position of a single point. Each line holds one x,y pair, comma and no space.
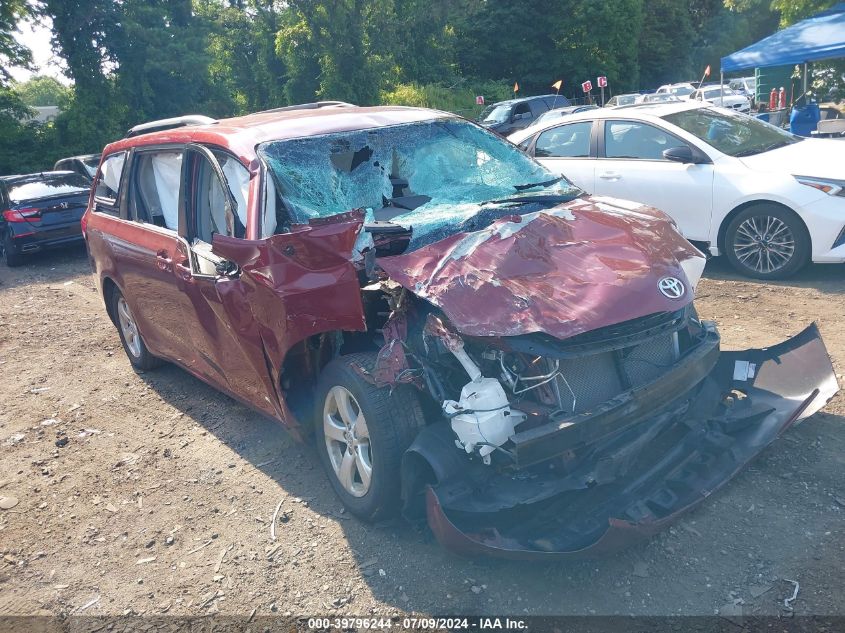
150,493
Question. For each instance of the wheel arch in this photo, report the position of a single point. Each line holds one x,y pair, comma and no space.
109,287
303,362
723,227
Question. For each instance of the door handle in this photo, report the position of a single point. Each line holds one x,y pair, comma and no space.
610,175
163,261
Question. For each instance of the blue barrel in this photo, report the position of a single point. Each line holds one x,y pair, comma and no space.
804,119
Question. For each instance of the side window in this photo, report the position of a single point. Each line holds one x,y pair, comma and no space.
210,209
107,189
565,141
632,139
521,109
538,106
154,190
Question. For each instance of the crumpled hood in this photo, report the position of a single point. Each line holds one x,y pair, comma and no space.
582,265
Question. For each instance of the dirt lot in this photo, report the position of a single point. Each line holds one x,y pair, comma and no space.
160,497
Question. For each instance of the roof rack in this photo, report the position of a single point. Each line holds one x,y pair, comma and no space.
167,124
311,106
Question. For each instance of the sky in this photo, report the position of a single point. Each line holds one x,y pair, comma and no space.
36,36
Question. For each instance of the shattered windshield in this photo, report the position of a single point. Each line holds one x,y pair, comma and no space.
421,175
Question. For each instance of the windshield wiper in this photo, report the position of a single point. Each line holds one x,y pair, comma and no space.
539,197
531,185
760,150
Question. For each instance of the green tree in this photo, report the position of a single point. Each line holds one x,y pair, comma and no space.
665,42
83,31
12,52
41,90
536,43
792,11
340,41
160,47
242,47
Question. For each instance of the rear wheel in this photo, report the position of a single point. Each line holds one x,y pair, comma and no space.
361,432
130,336
11,254
767,241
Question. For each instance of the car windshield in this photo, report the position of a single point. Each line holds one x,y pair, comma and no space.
495,114
427,175
47,186
555,114
680,91
658,98
715,93
731,134
625,99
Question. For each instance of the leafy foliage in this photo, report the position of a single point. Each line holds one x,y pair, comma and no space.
43,91
136,60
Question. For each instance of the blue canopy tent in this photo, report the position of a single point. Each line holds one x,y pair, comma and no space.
816,38
819,37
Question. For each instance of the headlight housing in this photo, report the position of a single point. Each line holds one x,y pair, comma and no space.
828,185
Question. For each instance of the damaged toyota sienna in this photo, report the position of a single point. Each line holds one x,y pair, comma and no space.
466,338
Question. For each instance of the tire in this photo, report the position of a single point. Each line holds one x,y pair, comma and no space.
392,421
10,253
767,241
130,336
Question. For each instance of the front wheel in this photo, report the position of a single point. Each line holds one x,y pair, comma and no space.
361,432
767,241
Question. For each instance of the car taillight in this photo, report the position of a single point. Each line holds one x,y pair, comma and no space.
22,215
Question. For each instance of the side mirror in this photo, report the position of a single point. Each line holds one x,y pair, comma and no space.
681,154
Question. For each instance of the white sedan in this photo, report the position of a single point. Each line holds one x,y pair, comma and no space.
724,97
766,199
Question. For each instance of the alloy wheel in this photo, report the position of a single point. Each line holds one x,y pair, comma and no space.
764,243
129,328
347,441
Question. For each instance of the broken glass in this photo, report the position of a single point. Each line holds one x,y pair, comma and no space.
432,176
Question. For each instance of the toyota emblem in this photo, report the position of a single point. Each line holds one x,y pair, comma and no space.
671,287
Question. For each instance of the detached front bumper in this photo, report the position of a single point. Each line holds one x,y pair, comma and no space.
641,474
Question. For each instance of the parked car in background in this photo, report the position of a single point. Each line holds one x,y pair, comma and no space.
618,100
657,97
767,200
745,86
681,90
558,113
484,347
722,96
83,165
506,117
41,211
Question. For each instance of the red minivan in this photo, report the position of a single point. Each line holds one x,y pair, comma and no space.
467,338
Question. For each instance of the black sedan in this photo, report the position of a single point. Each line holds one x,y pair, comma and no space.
41,211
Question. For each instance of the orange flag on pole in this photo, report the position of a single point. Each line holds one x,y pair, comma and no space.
515,87
558,84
